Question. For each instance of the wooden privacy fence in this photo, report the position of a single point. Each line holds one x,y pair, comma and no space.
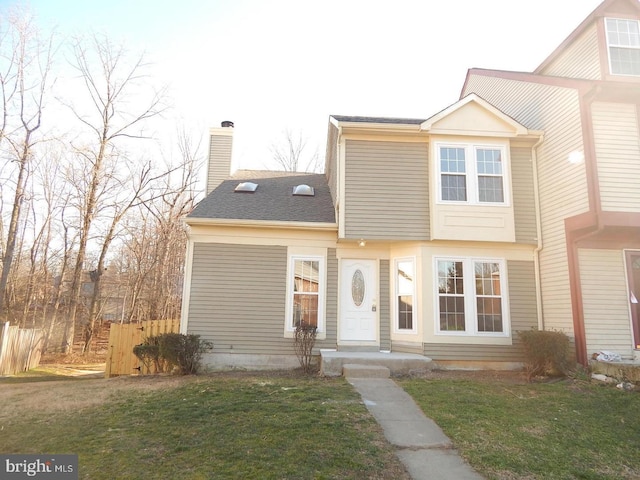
20,348
122,339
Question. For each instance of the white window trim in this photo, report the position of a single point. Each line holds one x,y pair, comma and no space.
471,320
322,288
609,45
471,172
414,316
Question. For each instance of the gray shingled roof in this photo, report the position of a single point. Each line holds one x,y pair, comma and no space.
399,121
272,201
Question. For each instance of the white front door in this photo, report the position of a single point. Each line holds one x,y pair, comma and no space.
358,301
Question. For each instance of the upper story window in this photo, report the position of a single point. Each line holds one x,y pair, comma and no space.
472,174
623,41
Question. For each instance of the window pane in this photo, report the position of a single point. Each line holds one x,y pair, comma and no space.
488,296
451,293
405,312
305,292
305,309
454,188
490,189
405,278
450,279
452,160
489,161
452,314
625,61
489,314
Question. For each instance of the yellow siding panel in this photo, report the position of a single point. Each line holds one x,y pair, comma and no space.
580,60
606,305
615,128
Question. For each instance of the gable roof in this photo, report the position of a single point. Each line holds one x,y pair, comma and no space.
605,7
499,121
273,200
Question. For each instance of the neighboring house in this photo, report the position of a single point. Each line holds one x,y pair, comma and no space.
585,97
517,207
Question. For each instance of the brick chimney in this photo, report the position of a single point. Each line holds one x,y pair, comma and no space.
220,146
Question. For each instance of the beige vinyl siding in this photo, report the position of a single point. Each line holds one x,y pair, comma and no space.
605,301
562,185
331,167
387,190
238,297
524,206
615,131
219,160
580,60
385,311
523,314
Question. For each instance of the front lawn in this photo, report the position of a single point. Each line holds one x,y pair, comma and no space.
225,426
515,430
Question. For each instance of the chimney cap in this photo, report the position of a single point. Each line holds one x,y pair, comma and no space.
227,124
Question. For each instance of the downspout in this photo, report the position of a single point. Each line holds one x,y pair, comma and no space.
572,237
536,252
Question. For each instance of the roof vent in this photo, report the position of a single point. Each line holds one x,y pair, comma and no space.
227,124
248,187
303,189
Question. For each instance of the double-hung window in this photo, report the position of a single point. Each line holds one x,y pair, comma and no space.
405,295
471,297
623,41
305,292
472,174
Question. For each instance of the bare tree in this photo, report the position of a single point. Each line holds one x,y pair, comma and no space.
292,154
110,83
24,84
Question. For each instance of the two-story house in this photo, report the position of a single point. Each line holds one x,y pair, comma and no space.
421,238
517,207
585,97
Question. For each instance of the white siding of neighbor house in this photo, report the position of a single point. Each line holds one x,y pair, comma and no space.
563,187
523,314
386,190
238,297
580,60
605,300
615,130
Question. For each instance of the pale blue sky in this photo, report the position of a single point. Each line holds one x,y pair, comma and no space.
278,64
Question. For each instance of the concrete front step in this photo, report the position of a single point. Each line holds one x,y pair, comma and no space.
353,370
332,362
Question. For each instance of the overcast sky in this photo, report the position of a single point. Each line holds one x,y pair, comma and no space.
272,65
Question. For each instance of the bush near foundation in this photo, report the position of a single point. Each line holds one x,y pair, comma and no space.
547,353
170,350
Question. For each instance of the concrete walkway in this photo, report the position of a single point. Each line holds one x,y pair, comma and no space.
423,448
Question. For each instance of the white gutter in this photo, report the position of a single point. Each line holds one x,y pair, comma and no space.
536,253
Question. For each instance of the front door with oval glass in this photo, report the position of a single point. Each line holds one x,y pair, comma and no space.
358,301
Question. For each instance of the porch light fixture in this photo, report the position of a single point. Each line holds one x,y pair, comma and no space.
362,242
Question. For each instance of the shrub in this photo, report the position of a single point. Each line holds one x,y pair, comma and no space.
303,341
170,350
149,355
547,352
